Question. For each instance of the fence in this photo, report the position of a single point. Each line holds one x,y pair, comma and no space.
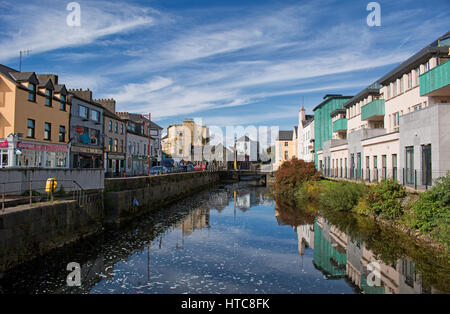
413,178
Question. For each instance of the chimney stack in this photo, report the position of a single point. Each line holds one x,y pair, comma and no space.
109,104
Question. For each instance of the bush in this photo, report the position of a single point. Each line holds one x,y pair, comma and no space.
385,199
293,173
342,196
432,209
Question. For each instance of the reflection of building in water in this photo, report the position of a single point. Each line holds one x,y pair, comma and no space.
198,219
329,256
219,200
243,201
305,235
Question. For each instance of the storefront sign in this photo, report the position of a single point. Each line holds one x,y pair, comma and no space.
86,150
43,147
3,144
79,129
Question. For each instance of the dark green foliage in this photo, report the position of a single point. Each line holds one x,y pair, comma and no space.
342,196
385,199
431,212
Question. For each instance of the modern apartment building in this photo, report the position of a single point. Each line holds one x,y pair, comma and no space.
396,127
86,130
325,140
115,142
34,120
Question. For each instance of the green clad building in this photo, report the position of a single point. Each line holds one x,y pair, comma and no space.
323,122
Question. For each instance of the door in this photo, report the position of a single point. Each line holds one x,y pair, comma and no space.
426,164
410,165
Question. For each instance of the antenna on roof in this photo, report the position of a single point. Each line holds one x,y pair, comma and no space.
23,53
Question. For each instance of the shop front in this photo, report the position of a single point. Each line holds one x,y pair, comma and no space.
16,153
115,165
86,157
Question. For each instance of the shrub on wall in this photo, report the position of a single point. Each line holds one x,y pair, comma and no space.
431,212
385,199
342,196
293,173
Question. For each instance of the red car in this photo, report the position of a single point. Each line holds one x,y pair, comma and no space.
200,167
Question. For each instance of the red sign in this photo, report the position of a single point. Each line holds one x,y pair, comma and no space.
43,147
79,129
4,144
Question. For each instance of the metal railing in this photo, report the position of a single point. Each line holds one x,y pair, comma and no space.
16,193
413,178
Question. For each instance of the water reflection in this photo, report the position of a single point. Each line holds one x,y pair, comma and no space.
224,240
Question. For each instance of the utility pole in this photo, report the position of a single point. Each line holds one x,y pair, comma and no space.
23,53
149,117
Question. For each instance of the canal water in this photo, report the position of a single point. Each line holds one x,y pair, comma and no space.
235,239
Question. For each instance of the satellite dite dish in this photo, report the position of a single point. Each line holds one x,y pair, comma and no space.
18,151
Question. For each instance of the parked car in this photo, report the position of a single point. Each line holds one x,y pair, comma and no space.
156,170
200,167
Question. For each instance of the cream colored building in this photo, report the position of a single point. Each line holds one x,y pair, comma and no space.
284,148
182,139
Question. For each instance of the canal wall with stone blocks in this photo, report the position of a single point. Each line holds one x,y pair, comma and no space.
126,198
28,231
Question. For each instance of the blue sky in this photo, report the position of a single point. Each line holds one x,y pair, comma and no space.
227,62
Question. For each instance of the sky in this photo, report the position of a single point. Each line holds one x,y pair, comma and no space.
228,62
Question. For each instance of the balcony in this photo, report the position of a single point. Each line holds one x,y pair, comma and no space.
374,110
340,125
436,82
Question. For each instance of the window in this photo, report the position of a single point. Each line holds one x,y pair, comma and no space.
396,119
410,80
110,125
31,92
402,88
427,66
286,143
121,145
84,112
116,145
110,144
47,131
48,97
116,127
180,151
30,128
394,88
121,128
62,133
62,103
417,76
388,91
418,107
95,115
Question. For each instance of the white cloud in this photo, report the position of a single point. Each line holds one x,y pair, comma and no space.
43,26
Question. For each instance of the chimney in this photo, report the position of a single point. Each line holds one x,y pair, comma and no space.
84,94
109,104
302,114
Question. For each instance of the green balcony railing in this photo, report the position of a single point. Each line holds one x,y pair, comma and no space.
435,79
340,125
372,109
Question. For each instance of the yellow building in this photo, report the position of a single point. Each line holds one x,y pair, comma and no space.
182,139
285,148
34,120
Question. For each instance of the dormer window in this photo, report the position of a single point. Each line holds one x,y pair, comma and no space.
48,97
31,92
62,104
